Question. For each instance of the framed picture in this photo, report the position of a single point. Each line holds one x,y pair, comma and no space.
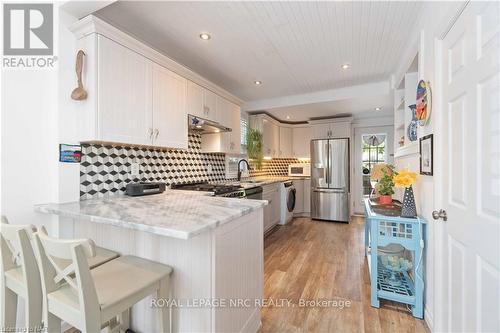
426,155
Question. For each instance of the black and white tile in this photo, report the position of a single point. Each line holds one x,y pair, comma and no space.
106,170
275,167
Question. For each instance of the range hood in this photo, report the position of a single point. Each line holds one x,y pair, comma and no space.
205,126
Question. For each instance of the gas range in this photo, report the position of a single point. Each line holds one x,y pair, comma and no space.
218,190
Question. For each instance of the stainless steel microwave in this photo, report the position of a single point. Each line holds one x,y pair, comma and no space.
299,170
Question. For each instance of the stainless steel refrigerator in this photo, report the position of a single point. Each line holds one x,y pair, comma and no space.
330,179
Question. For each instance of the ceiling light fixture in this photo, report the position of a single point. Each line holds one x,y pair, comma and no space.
378,108
345,66
205,36
257,83
287,117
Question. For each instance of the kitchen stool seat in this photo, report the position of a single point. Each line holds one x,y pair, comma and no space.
96,297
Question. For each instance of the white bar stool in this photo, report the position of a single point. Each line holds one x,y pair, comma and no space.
97,296
20,274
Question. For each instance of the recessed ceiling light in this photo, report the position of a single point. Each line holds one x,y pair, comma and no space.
345,66
205,36
287,117
378,108
257,83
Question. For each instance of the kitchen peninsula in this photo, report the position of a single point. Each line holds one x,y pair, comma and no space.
214,244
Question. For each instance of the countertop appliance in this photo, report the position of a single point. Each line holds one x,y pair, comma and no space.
287,195
299,170
144,188
330,179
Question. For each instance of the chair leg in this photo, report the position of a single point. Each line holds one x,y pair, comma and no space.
33,308
9,308
125,320
53,323
164,312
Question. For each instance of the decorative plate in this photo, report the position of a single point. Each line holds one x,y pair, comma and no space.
423,111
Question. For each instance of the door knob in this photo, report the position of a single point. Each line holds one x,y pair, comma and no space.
440,214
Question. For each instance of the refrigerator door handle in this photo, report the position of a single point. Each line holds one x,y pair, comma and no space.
329,190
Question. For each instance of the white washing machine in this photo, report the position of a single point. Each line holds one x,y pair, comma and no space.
287,197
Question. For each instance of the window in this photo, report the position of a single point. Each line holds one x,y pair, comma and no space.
374,150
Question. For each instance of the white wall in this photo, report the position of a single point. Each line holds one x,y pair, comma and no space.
432,23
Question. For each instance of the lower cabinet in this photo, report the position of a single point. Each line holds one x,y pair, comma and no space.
302,197
272,211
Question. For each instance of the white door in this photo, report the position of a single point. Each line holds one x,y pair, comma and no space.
169,109
124,94
468,137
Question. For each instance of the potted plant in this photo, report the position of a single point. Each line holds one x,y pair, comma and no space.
254,147
405,179
385,186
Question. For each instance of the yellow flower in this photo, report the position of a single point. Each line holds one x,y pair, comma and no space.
405,178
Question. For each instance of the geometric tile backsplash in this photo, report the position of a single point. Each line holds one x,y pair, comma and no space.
105,170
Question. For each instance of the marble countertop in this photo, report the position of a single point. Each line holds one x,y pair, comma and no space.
178,214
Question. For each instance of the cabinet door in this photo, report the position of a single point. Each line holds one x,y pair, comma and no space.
276,206
340,130
267,138
195,104
285,142
320,131
124,94
169,109
301,142
209,105
235,116
307,196
276,140
267,211
299,195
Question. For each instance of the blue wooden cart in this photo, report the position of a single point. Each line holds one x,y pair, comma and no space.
382,230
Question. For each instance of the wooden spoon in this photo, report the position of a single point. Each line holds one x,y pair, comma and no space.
79,93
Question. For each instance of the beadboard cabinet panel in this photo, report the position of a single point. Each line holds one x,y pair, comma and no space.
169,109
301,142
195,105
124,94
285,144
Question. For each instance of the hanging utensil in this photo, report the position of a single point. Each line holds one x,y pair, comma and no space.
79,93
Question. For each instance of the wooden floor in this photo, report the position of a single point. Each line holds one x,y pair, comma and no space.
324,260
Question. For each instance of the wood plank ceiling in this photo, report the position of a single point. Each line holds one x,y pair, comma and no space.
292,47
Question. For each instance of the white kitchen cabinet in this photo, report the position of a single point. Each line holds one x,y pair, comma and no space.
331,130
124,95
228,142
169,109
201,102
273,210
285,144
301,142
307,197
299,196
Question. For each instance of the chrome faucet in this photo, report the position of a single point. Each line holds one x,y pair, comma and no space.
239,170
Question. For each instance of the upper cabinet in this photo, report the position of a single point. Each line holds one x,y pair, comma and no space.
138,96
229,115
201,102
169,108
331,130
139,102
123,95
286,140
301,142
